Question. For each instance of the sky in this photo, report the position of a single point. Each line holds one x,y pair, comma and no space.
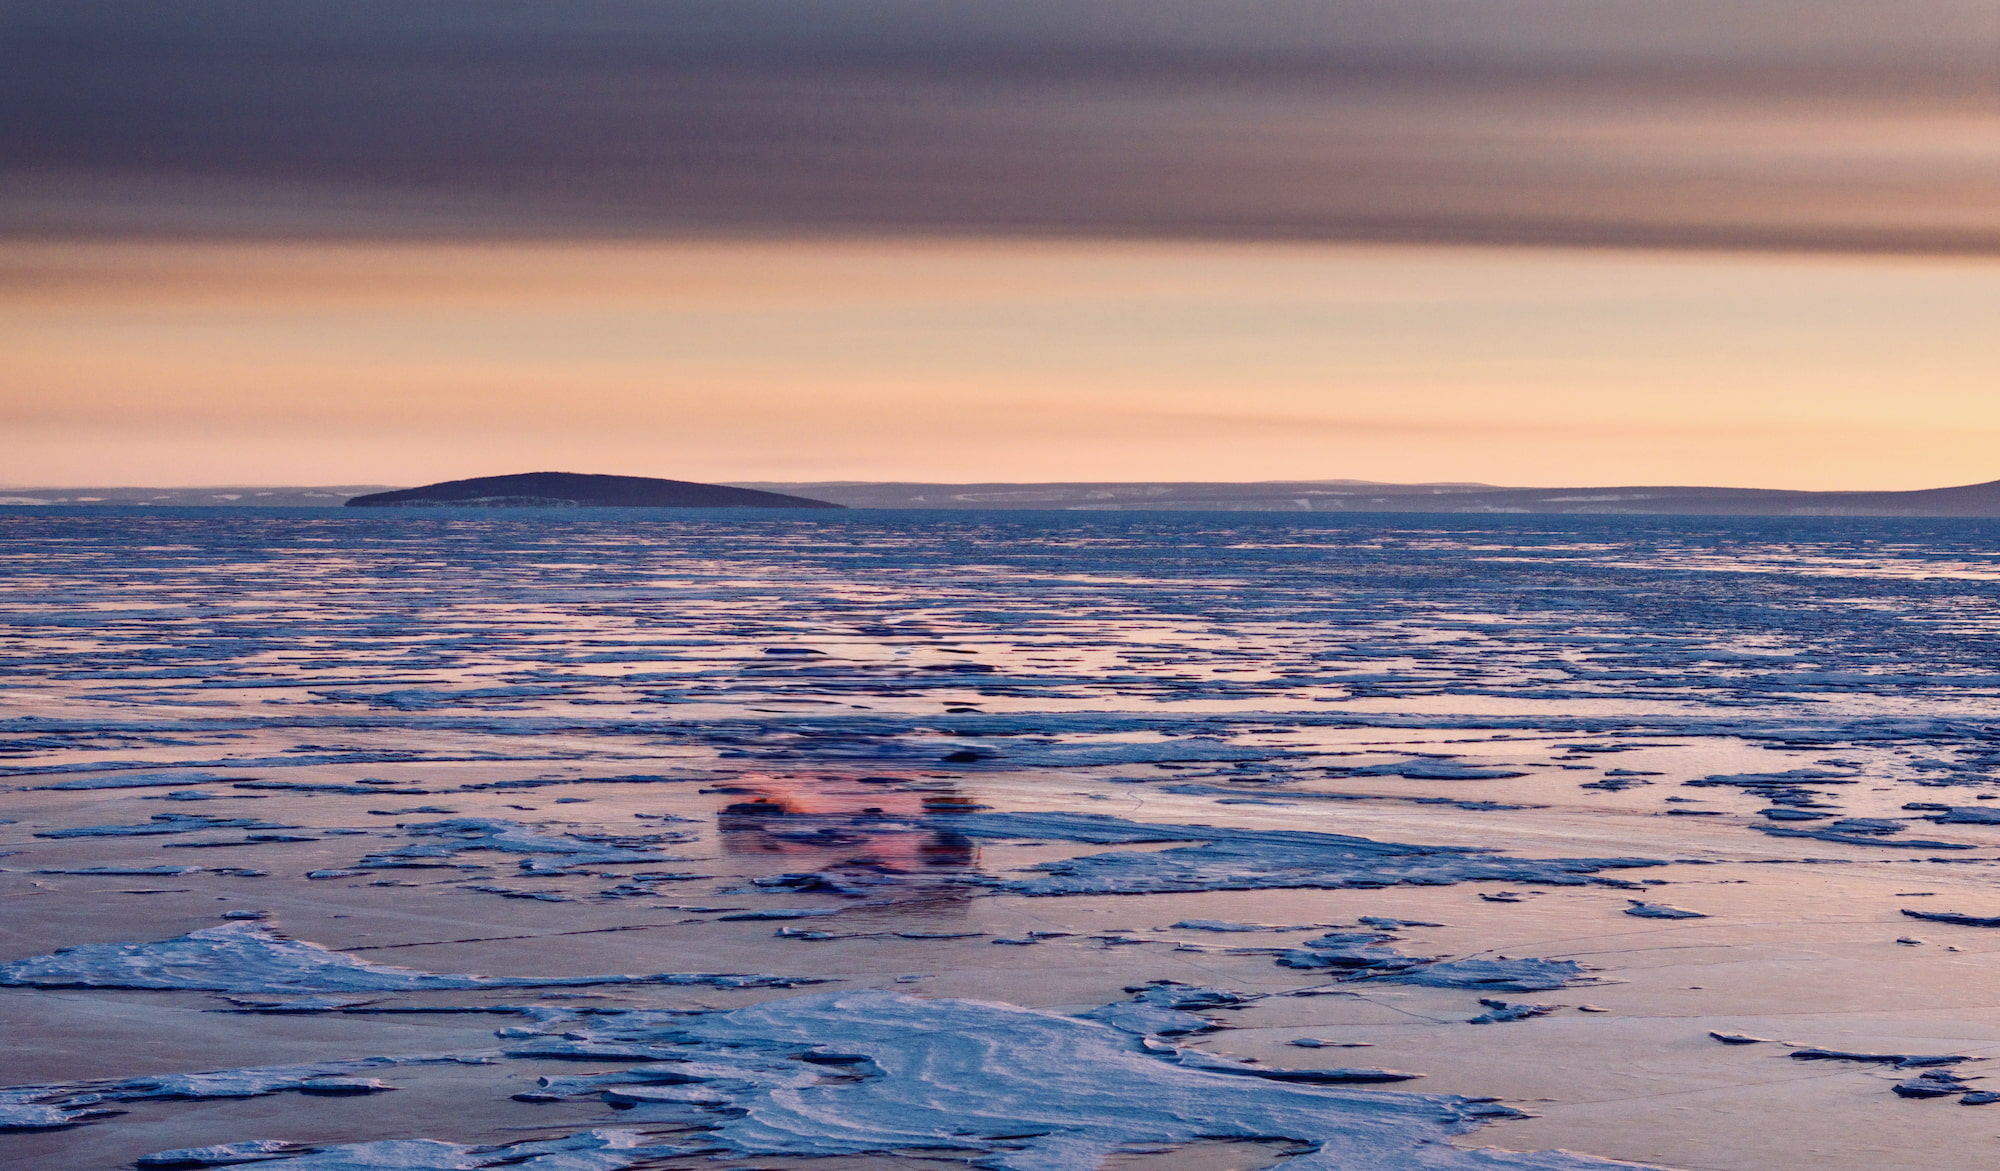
1550,242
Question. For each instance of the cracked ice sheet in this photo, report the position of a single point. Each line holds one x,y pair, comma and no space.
1742,975
1011,1088
1034,1091
1411,634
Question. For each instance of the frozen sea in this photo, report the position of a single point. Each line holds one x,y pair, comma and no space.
592,840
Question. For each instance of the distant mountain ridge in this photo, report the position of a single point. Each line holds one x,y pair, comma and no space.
578,490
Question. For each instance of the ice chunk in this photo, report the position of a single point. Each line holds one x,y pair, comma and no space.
1164,1008
1224,926
1499,975
1932,1083
1954,917
1868,837
1897,1060
1500,1011
36,1116
1645,910
1434,770
220,1155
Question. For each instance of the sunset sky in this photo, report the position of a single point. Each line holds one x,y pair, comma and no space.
1518,241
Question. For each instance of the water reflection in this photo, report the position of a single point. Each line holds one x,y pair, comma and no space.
855,835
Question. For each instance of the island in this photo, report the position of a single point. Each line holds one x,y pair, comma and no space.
577,490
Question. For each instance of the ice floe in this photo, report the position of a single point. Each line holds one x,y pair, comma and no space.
548,852
172,778
1240,859
1015,1089
1498,975
220,1154
160,824
50,1107
1226,927
1501,1011
596,1150
871,1073
1954,917
1645,910
251,957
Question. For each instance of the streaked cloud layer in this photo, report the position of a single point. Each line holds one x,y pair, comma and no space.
1751,242
1844,125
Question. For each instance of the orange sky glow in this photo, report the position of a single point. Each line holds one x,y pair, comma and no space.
873,359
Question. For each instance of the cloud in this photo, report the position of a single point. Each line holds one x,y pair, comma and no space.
1835,125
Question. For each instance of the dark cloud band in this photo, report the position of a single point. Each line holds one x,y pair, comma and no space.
1834,125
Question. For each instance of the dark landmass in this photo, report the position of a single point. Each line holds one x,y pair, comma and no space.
1363,496
1973,500
573,490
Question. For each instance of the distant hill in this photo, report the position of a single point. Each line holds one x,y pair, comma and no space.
1363,496
561,489
573,490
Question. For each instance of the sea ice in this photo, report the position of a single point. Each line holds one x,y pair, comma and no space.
1258,650
1239,859
1014,1088
1165,1008
123,871
1224,926
1497,975
251,957
55,1106
1968,815
161,823
1645,910
220,1155
1433,770
549,852
1955,917
596,1150
1500,1012
151,780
